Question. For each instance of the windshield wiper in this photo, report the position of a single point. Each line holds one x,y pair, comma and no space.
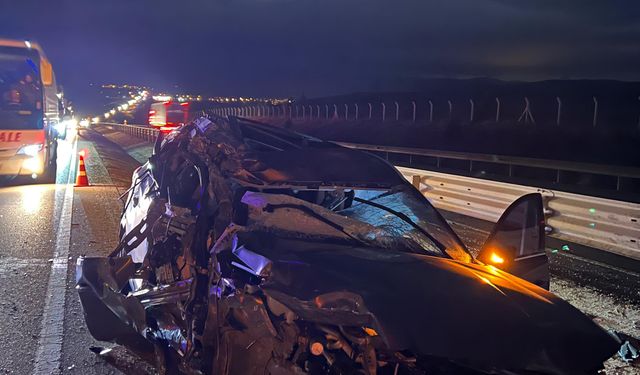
406,219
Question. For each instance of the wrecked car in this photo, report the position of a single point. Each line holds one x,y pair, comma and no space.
250,249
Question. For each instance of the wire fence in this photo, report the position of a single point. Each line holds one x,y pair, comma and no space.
584,112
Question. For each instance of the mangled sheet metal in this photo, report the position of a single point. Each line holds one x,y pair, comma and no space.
247,249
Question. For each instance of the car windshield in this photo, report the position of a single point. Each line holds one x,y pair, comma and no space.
395,219
20,89
407,214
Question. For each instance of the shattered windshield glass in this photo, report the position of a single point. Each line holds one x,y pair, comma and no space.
404,223
404,211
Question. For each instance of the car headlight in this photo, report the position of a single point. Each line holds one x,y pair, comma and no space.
31,150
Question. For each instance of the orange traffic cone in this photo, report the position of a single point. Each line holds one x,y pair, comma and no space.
81,177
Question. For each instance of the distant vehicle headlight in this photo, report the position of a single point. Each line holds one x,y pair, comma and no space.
60,127
31,150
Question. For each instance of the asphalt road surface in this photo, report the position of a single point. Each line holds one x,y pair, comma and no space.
44,228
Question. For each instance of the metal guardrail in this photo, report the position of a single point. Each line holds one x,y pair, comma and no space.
613,182
558,165
140,131
605,224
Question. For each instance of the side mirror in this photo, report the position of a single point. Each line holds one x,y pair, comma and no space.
517,242
46,71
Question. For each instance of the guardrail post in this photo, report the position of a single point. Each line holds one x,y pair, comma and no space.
472,108
430,111
497,109
413,104
384,111
304,112
326,111
370,110
450,109
290,111
297,111
346,111
357,111
310,112
397,111
559,110
318,109
335,112
595,111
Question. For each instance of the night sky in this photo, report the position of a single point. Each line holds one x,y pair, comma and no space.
323,47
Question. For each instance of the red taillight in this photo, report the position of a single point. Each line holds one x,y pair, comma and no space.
184,104
14,96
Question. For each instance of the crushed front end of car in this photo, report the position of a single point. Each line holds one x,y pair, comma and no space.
246,249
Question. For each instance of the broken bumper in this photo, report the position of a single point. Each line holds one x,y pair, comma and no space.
110,315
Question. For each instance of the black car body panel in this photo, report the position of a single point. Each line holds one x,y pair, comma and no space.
247,249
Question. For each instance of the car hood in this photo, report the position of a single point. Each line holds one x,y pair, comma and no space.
469,313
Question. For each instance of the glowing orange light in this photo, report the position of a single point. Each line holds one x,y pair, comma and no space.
497,259
370,331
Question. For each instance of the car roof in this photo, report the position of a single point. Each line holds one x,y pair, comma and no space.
289,158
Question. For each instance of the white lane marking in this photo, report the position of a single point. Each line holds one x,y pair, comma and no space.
49,348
